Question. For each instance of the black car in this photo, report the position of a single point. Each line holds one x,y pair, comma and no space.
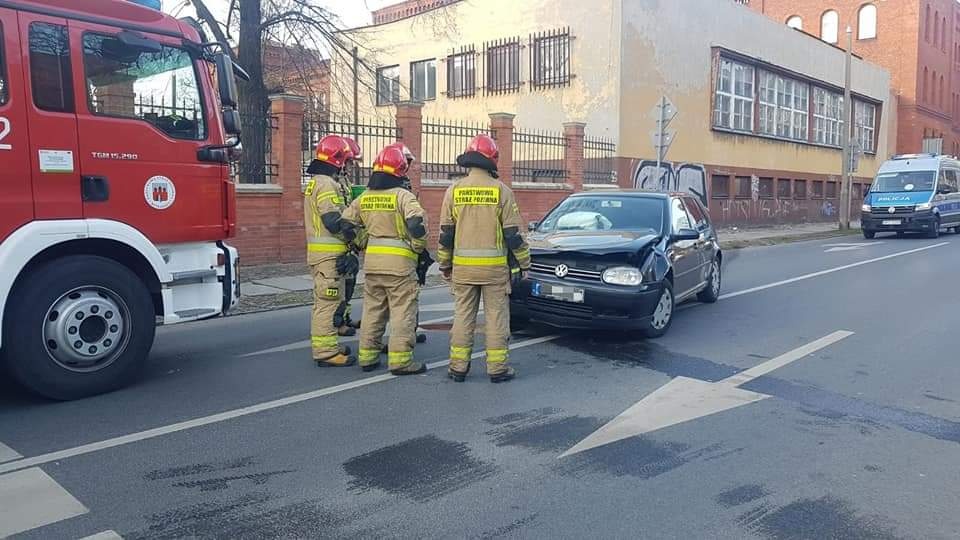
618,260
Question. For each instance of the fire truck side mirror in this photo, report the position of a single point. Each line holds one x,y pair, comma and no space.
137,43
225,78
231,122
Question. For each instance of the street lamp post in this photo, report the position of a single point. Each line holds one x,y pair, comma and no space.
845,140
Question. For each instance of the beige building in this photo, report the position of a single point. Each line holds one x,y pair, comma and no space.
760,106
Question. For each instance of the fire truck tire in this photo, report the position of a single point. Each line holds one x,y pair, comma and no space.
78,326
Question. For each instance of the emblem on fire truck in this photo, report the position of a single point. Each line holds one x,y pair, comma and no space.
159,192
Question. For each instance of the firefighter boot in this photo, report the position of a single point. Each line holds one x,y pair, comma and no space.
412,368
504,376
458,375
344,358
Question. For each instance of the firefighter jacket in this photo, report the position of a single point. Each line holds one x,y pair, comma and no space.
392,225
479,225
322,208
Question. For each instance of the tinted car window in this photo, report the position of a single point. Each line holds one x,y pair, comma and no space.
696,212
605,213
951,178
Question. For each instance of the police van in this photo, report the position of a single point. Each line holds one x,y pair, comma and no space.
913,193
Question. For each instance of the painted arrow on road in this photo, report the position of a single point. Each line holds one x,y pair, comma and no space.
848,247
684,399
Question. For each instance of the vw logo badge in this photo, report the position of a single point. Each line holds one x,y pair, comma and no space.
561,270
891,210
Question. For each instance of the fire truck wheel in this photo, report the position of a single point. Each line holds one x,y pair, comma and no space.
78,326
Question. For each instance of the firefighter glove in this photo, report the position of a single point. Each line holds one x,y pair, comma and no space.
348,264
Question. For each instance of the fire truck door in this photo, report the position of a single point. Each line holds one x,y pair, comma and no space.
144,116
16,198
49,67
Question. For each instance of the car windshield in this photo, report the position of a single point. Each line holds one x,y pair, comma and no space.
903,181
599,213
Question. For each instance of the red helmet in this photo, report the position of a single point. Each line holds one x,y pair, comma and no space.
334,150
485,146
391,161
407,154
356,153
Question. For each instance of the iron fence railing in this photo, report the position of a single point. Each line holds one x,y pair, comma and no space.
371,135
442,143
253,171
599,165
538,156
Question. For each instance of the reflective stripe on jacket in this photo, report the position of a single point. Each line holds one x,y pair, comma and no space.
321,196
382,216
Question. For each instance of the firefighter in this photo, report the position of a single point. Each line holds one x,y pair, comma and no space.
425,261
346,326
395,227
326,246
479,232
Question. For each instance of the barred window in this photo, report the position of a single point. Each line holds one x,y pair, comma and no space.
388,85
784,104
733,102
550,65
827,117
865,125
503,66
462,74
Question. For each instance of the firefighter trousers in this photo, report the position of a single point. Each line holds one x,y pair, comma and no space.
496,308
327,293
393,298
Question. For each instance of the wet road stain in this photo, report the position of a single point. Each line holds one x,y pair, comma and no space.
638,457
815,519
509,529
542,430
873,468
741,495
422,469
641,354
199,468
224,482
938,398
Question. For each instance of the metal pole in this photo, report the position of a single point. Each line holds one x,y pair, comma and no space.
846,139
356,93
661,119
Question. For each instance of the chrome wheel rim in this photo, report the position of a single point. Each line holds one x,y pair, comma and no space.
86,329
715,278
661,316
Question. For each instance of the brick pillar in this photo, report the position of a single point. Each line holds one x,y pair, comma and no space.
501,124
573,157
410,122
287,155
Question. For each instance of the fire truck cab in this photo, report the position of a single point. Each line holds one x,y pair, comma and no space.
117,126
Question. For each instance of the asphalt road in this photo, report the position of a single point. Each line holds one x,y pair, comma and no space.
233,433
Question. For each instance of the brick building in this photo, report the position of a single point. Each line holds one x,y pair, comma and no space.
405,9
917,41
289,69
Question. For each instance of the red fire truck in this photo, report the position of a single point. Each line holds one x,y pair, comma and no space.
117,126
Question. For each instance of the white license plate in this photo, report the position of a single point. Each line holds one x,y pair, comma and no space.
558,292
892,222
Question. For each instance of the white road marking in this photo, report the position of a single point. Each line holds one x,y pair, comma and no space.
684,399
31,499
105,535
853,246
8,454
224,416
829,271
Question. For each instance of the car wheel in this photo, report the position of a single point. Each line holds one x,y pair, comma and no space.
518,324
901,234
935,231
711,293
662,315
869,234
77,327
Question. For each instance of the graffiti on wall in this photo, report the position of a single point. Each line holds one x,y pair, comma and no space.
671,177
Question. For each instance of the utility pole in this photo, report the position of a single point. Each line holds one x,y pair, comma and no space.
664,112
845,139
356,93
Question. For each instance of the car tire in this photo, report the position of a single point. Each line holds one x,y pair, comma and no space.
518,324
711,293
901,234
662,316
869,235
935,231
50,354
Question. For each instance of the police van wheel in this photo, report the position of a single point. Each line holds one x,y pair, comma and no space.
869,234
77,327
934,232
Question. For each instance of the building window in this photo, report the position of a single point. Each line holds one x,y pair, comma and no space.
865,117
462,74
50,72
827,116
800,189
817,189
744,190
940,100
926,25
924,86
867,22
936,27
783,188
733,102
829,25
766,188
550,65
831,190
388,85
943,34
423,80
795,22
4,90
503,66
784,106
720,187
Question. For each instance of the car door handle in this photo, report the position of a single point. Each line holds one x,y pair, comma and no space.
94,188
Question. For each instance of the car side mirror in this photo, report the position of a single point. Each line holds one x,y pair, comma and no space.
944,190
686,234
532,226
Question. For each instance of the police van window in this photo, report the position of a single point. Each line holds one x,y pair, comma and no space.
679,216
159,88
4,91
50,72
950,179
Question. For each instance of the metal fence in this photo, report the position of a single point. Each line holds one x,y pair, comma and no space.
442,143
371,135
252,171
599,166
538,156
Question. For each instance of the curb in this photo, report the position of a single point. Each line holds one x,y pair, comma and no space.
785,239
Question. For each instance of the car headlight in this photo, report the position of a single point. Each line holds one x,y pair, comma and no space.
922,206
622,275
866,208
